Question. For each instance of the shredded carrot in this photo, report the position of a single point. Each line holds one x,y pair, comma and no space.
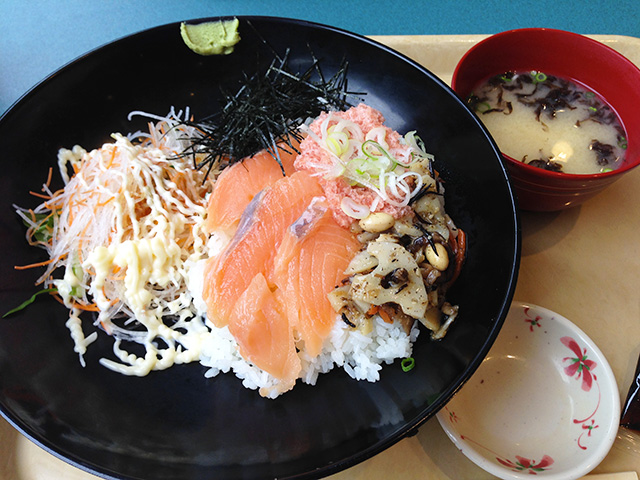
92,307
34,265
152,137
40,195
49,176
41,222
385,315
91,192
44,219
58,298
81,237
102,204
372,310
54,201
114,150
69,202
459,247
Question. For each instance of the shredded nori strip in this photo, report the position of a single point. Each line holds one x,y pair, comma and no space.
266,112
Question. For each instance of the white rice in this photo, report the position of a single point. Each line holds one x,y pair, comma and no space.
361,356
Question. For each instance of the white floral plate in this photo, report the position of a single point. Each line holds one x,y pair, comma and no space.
543,402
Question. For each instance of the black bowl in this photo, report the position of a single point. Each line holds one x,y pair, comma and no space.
176,423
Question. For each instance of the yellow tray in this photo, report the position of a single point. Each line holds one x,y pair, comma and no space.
583,263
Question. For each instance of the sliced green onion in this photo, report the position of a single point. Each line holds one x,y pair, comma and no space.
382,158
538,77
416,143
337,142
77,270
407,364
364,168
593,109
354,209
333,145
485,107
29,301
368,145
622,142
370,163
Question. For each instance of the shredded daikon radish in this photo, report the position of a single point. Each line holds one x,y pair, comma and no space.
124,233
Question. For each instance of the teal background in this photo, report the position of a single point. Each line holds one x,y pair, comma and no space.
39,36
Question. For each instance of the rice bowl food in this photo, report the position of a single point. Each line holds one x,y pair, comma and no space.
178,270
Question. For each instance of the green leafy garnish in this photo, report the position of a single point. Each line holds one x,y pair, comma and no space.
29,301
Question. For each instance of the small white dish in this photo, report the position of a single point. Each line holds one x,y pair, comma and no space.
543,402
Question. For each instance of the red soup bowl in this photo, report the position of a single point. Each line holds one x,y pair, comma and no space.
572,56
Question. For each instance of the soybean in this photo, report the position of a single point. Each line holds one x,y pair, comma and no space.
377,222
438,258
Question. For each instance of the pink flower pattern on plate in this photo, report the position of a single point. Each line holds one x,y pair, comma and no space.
580,365
524,464
533,322
452,415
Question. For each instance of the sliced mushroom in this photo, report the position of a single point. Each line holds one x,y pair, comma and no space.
450,312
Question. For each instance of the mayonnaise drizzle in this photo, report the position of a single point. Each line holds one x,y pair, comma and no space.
127,228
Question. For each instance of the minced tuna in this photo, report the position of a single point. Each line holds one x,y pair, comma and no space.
361,123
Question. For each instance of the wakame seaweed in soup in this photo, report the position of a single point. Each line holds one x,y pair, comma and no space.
550,122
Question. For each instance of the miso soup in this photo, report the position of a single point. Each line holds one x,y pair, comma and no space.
550,122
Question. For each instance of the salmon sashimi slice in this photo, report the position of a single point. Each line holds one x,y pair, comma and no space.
255,242
238,184
264,336
311,261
